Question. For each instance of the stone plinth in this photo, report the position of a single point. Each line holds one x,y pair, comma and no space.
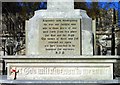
3,79
61,67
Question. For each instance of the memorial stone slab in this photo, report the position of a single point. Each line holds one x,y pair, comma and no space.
59,30
57,40
62,71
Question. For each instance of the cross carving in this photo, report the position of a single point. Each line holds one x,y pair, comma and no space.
14,71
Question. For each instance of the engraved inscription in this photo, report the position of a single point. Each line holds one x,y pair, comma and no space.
60,36
62,70
66,72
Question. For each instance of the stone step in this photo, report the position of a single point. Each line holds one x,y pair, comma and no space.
3,79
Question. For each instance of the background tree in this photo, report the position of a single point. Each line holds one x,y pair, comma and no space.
13,30
93,11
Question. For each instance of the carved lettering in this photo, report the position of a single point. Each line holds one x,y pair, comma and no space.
62,71
62,34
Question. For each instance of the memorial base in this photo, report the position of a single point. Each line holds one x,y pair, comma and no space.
5,81
60,67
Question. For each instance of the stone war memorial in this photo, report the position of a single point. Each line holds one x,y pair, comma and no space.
59,46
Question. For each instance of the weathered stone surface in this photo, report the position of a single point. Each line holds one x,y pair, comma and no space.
59,37
60,5
55,39
34,26
4,79
117,69
61,68
62,71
